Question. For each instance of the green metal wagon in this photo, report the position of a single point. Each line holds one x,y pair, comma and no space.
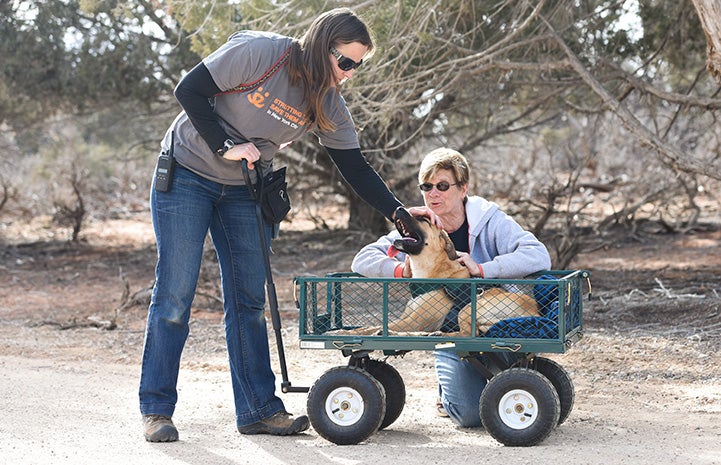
527,395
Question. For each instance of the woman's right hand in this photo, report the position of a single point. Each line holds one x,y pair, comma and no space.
247,151
428,213
407,272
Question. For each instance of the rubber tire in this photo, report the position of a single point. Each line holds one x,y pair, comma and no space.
541,401
560,379
365,411
393,385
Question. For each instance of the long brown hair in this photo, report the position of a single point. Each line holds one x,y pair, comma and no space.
309,65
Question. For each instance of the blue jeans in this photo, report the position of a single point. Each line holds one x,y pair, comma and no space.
181,219
460,386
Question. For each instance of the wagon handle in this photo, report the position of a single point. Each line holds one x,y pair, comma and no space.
269,284
590,288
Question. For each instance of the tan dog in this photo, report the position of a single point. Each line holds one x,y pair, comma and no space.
432,255
494,305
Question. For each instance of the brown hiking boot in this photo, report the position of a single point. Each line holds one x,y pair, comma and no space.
280,424
159,428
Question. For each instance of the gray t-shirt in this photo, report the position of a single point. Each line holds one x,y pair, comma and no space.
269,116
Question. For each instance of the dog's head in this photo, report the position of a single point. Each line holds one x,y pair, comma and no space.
420,234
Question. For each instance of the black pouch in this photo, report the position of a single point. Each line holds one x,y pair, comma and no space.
274,199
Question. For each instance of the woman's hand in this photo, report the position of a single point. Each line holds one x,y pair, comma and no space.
428,213
247,151
473,268
407,272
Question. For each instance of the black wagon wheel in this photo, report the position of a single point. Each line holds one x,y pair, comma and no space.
560,379
519,407
346,405
393,385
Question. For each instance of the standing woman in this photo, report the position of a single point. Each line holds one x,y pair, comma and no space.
218,128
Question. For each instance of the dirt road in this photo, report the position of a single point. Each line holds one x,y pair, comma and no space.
61,406
646,374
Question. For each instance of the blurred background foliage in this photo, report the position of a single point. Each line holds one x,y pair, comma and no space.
578,116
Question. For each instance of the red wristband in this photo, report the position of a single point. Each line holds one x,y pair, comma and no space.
398,272
480,270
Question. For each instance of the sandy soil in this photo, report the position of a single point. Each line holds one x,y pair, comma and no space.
646,373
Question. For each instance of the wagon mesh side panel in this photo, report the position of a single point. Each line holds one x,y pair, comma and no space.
347,304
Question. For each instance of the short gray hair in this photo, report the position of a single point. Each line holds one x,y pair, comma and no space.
444,159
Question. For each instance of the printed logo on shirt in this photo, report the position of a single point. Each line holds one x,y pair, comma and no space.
278,110
257,98
288,115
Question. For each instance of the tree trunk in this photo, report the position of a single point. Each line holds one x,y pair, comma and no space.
709,12
363,217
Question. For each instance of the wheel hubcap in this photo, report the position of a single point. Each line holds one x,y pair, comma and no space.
344,406
518,409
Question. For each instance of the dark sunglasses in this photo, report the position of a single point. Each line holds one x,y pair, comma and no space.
344,63
441,186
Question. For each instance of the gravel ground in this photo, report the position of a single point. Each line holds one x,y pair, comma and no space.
62,405
646,373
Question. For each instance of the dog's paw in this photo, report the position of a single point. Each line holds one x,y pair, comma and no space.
339,332
444,334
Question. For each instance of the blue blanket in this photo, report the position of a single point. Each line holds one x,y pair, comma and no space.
537,327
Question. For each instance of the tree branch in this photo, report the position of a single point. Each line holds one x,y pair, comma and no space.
669,154
709,12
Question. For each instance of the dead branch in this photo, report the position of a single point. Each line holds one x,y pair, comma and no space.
73,213
670,295
139,297
91,322
210,296
8,191
671,97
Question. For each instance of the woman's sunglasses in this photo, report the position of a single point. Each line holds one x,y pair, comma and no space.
441,186
344,63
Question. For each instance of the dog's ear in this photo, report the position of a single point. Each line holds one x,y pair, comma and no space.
450,249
